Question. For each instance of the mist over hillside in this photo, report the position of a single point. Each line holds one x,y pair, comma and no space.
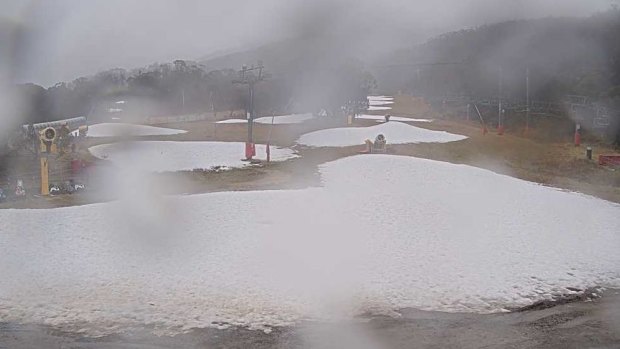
328,56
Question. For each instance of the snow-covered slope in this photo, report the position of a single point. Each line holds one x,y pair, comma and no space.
394,132
385,232
164,156
129,130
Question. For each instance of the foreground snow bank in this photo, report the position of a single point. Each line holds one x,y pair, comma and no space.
164,156
394,132
129,130
385,232
277,120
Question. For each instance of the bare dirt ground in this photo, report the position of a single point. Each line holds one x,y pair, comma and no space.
591,324
554,162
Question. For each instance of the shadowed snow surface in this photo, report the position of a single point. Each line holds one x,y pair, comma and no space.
394,132
162,156
384,232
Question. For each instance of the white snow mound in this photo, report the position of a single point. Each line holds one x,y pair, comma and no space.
162,156
285,119
381,118
385,232
377,108
394,132
277,120
380,98
129,130
232,121
377,103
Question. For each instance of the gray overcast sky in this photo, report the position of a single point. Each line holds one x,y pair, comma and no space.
64,39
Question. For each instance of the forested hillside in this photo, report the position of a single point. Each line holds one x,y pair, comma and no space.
564,55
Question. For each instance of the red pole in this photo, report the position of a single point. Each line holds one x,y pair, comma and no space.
248,151
577,138
577,135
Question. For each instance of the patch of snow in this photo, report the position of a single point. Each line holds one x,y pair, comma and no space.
375,108
277,120
383,233
285,119
120,102
232,121
381,118
394,132
114,110
380,98
163,156
377,103
129,130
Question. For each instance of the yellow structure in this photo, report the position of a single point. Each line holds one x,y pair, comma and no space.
48,146
53,148
45,186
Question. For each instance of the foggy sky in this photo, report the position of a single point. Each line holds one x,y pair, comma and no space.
63,39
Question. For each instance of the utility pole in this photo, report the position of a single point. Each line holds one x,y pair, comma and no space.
248,77
182,100
500,122
527,99
482,123
212,104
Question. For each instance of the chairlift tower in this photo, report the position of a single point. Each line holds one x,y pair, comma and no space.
527,100
247,76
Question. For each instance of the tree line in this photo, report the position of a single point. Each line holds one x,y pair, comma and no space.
183,87
180,86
